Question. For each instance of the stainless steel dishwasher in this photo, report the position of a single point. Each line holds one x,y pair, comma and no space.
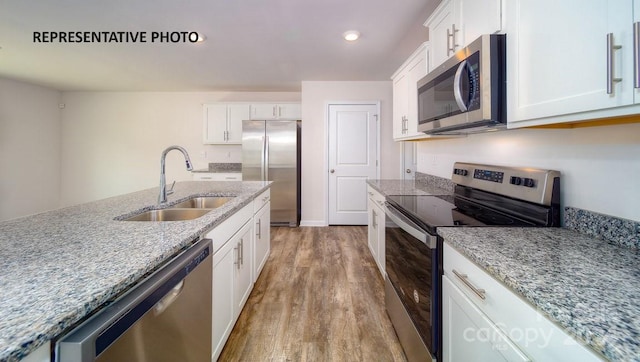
167,317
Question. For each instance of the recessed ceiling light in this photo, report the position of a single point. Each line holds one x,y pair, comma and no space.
351,35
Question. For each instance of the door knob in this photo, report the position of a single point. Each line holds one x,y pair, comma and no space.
408,170
332,171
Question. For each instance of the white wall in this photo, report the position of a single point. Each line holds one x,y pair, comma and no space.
600,165
29,149
315,96
112,141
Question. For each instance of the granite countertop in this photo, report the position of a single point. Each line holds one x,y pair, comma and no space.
404,187
588,286
60,265
221,168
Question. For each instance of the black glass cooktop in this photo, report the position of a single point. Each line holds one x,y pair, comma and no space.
449,210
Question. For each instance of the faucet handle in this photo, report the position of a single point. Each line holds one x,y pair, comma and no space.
170,190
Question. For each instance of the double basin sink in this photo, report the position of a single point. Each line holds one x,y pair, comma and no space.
189,209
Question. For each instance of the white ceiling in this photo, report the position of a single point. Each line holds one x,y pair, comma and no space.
252,45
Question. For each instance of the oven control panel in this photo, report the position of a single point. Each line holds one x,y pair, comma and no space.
488,175
529,184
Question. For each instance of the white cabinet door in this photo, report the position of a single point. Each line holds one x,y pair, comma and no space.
223,296
236,113
223,122
400,105
271,111
375,228
468,335
443,33
262,240
456,23
478,17
372,228
215,123
289,111
417,69
405,95
263,111
243,281
557,58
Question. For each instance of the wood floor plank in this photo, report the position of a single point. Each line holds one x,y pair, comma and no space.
320,297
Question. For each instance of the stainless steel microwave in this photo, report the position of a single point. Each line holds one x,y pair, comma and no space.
466,94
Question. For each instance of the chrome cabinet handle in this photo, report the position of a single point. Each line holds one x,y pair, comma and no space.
636,55
332,171
259,233
611,47
408,170
465,279
452,34
457,86
241,251
373,219
237,262
274,111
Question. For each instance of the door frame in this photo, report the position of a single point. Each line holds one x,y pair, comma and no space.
327,114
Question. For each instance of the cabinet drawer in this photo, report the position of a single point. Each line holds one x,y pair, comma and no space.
528,328
223,232
216,176
261,200
375,196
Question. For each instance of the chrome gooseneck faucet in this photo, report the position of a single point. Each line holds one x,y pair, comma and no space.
162,197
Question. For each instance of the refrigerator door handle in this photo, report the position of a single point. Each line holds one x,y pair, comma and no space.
266,158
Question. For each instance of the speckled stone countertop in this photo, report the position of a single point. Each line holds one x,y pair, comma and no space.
402,187
588,286
222,168
60,265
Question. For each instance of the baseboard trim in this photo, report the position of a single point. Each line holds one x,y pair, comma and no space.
313,223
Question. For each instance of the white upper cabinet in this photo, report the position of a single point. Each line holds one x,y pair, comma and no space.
223,123
405,95
569,60
456,23
271,111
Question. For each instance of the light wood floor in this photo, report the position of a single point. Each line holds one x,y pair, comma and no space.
320,297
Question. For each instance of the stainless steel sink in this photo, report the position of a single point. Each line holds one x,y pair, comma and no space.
203,202
172,214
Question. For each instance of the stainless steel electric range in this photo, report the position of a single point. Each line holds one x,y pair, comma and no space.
484,195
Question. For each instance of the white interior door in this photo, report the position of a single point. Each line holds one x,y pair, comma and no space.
409,160
353,158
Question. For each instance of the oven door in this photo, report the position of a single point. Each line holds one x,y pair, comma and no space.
412,286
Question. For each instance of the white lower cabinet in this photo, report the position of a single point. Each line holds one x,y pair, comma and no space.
238,244
468,335
500,326
375,227
262,239
232,282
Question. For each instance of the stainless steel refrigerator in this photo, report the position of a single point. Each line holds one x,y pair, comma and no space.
271,152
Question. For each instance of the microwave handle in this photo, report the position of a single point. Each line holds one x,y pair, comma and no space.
457,86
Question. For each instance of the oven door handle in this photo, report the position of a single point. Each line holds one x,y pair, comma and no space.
409,226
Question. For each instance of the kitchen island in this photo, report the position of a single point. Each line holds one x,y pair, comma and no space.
60,266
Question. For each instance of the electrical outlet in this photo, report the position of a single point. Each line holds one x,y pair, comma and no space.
203,154
434,160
